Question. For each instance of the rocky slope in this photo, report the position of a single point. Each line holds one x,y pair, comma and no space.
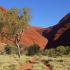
57,34
50,37
30,37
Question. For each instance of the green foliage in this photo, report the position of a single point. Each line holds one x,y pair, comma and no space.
32,50
13,67
15,20
39,66
1,52
46,52
40,52
67,50
50,52
13,23
60,50
9,48
12,62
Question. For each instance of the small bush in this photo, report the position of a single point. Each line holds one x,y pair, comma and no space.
40,52
46,52
1,53
49,52
67,50
39,66
9,48
14,67
32,50
52,52
60,50
46,62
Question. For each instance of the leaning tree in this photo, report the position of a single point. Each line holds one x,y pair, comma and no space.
13,23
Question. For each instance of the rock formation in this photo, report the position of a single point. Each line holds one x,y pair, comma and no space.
30,37
57,34
50,37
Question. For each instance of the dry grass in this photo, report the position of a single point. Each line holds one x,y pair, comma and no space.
2,46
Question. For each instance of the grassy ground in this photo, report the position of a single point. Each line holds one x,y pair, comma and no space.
2,46
12,62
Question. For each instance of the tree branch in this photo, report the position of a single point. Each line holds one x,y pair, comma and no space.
6,36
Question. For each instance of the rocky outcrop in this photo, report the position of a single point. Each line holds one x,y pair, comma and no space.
50,37
33,37
30,37
57,34
62,36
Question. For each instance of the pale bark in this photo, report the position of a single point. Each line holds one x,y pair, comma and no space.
18,47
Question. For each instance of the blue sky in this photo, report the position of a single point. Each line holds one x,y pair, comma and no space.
45,13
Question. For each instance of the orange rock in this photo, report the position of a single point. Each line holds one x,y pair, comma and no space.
48,68
27,66
4,9
29,37
58,34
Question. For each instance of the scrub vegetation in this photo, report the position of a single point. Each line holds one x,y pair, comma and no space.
60,60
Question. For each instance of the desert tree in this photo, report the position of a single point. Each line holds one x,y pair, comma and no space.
13,23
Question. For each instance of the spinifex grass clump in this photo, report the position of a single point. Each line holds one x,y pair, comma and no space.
12,62
39,66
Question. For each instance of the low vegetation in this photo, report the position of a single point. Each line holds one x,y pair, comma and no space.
57,59
12,62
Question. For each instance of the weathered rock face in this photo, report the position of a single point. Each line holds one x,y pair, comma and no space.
62,36
30,37
50,37
33,37
57,34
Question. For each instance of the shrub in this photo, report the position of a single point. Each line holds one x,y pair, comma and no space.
60,50
40,52
38,66
46,52
32,50
1,52
14,67
9,48
52,52
67,50
49,52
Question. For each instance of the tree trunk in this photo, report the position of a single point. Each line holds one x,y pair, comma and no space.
18,47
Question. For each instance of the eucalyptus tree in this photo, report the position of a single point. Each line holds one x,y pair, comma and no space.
13,23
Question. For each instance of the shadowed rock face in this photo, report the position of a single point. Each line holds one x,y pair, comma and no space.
57,34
